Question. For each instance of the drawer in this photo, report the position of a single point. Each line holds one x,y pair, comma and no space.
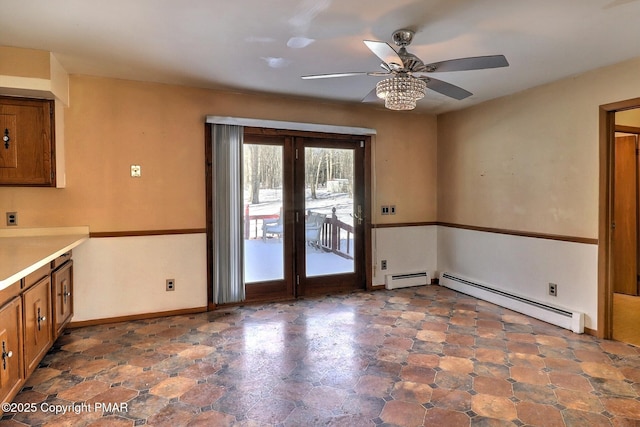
9,292
34,277
60,260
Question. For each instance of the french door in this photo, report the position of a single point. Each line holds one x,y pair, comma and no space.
305,213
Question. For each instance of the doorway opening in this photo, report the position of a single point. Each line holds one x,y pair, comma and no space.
619,225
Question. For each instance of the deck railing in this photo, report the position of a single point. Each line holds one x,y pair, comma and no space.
336,236
254,220
333,233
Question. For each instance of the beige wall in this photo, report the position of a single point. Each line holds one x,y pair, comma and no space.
111,124
529,162
24,62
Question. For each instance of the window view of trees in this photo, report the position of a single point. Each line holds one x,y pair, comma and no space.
324,168
263,169
324,165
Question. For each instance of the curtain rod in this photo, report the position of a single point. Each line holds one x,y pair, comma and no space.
278,124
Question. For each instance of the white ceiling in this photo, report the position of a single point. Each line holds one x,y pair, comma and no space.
258,45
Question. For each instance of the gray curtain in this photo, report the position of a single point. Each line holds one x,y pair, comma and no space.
228,243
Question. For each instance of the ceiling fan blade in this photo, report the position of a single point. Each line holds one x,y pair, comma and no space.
385,52
332,75
355,73
472,63
371,96
447,89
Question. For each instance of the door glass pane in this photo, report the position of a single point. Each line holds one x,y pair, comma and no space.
329,236
263,219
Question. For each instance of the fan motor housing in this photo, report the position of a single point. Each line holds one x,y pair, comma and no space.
402,37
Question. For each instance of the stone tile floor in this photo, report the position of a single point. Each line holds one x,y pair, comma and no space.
423,356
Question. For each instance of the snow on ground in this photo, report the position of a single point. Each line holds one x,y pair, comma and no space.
271,201
264,261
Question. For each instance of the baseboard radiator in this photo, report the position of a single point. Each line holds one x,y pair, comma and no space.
574,321
396,281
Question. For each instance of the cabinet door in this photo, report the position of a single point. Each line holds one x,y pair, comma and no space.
26,142
62,284
37,323
11,370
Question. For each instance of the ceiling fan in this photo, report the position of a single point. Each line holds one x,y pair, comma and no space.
407,77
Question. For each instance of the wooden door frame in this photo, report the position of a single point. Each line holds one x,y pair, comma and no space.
368,141
266,291
607,128
368,249
362,271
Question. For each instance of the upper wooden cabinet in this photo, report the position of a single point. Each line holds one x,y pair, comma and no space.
27,146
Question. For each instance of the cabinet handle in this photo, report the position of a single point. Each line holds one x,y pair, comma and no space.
40,318
6,138
5,355
65,294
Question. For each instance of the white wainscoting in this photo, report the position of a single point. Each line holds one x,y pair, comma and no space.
122,276
406,249
525,266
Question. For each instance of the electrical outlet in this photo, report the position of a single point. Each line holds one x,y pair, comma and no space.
553,289
171,284
12,218
385,210
383,264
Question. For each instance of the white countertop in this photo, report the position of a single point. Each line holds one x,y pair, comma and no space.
24,250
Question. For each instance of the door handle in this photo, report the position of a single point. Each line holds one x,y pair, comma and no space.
358,215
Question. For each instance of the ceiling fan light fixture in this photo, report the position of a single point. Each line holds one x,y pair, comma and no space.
401,92
400,89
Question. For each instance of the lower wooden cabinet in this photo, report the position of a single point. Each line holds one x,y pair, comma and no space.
62,293
33,313
37,323
11,365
